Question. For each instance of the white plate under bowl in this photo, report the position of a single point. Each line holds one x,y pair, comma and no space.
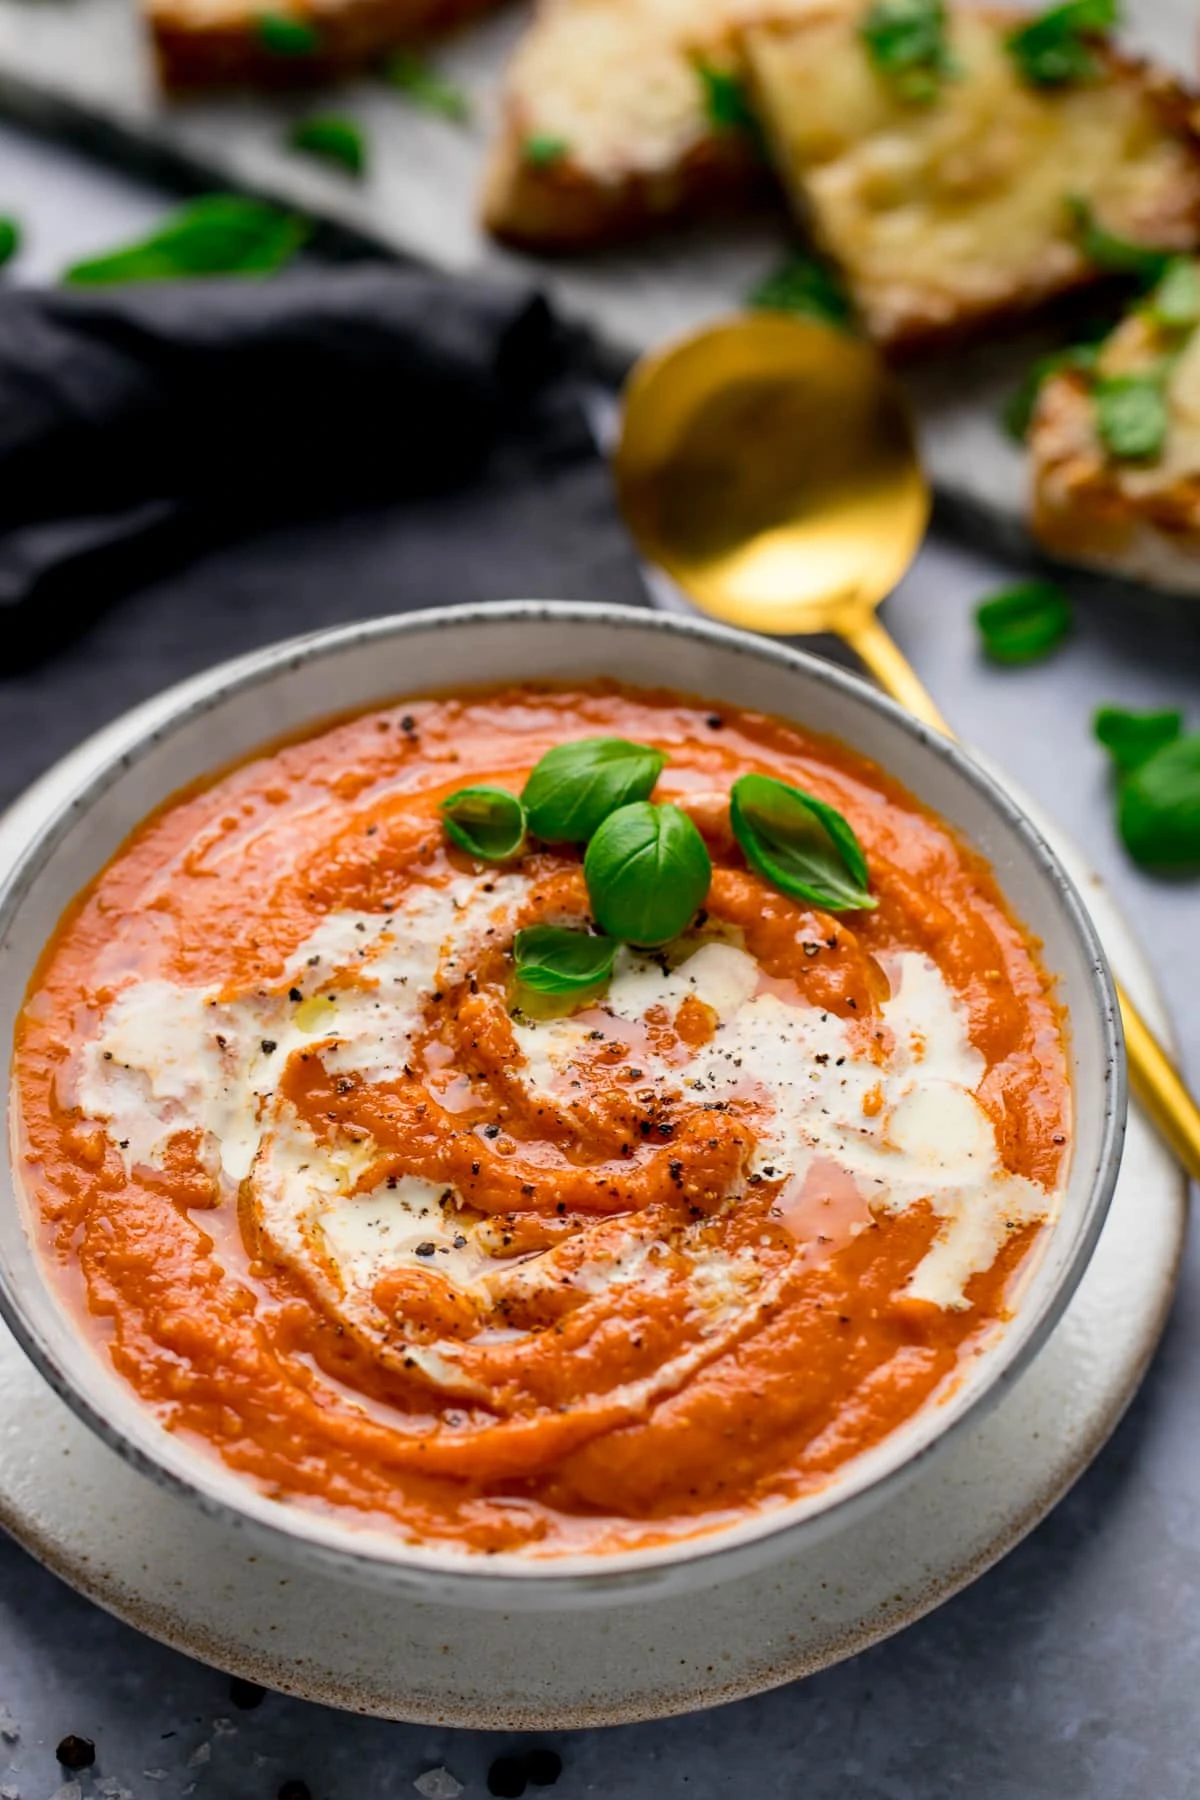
196,1583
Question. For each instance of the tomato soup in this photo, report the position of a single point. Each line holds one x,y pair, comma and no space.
353,1215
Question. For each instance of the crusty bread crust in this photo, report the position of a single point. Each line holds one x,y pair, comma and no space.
1085,508
915,312
200,46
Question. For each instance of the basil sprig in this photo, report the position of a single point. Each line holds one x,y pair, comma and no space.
286,34
907,43
10,239
647,872
1132,738
413,77
332,139
800,844
1061,46
1018,410
1132,416
574,787
1116,255
554,960
1175,303
804,284
1158,786
725,102
221,234
1022,624
543,150
486,822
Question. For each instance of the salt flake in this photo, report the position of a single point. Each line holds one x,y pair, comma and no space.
438,1784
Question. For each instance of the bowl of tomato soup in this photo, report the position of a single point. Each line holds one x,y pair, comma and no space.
531,1101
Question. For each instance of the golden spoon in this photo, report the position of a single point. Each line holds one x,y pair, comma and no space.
768,465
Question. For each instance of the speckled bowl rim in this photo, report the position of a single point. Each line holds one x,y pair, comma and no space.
368,1555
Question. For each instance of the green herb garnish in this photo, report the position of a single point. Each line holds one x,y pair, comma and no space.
1158,790
10,239
1060,47
804,284
486,822
1175,303
222,234
553,960
419,82
1018,410
1116,255
1024,623
647,872
543,151
283,34
575,787
333,139
1132,738
725,101
907,43
799,843
1132,416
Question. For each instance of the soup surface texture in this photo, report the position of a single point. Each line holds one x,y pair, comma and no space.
344,1211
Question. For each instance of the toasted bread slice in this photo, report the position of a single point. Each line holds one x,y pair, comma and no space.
948,214
1131,518
220,43
611,125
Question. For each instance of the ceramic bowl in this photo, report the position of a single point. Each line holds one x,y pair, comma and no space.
202,724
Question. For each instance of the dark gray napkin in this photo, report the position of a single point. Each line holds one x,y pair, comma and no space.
191,470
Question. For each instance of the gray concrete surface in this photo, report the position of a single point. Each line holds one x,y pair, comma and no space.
1070,1672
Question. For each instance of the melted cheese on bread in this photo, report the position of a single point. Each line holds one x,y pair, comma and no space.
949,213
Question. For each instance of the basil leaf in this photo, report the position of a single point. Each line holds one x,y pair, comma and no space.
10,239
1175,302
284,34
647,873
1133,738
1060,46
1022,624
1158,807
542,150
725,102
798,843
1018,410
550,959
332,139
421,84
804,284
219,235
1116,255
1132,416
486,822
906,42
574,787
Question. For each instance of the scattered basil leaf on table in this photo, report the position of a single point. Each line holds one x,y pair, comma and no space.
906,42
1022,624
413,77
332,139
554,960
283,34
1060,45
1132,416
10,239
805,284
574,787
1158,806
1175,302
1018,410
1116,255
486,822
1132,738
725,102
800,844
647,872
221,234
542,150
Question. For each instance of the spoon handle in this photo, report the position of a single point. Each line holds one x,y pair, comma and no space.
1156,1081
